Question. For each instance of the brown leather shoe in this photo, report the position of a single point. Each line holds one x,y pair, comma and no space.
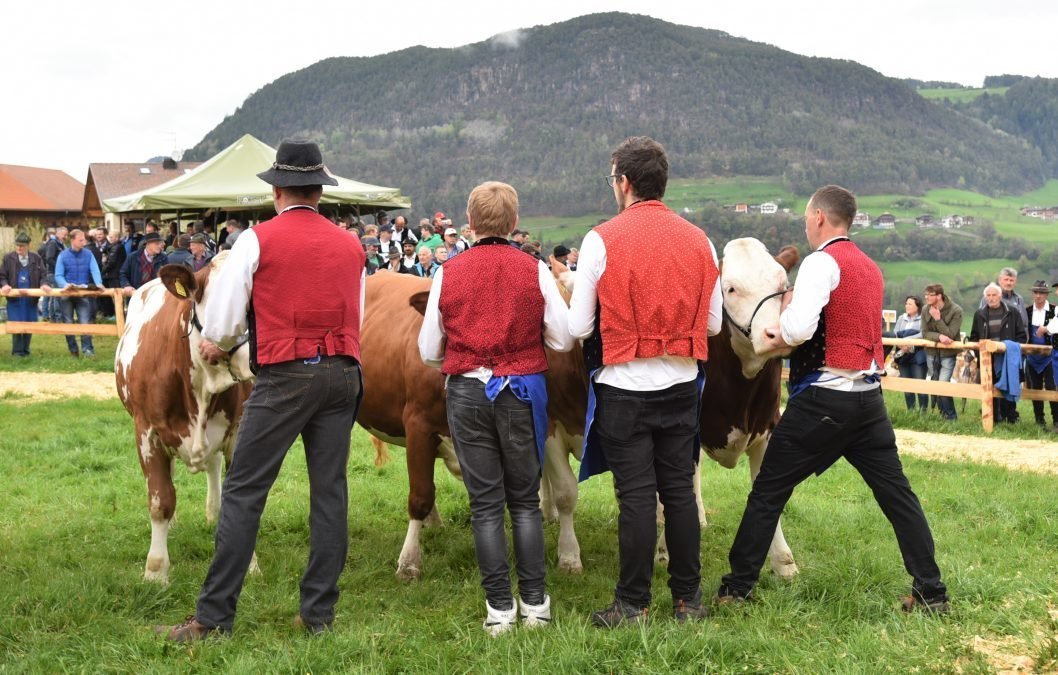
312,628
189,631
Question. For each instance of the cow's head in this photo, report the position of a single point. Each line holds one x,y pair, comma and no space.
753,282
193,288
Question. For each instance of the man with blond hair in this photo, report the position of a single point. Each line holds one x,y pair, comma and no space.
490,313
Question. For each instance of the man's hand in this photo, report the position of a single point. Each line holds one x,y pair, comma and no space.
211,352
935,313
46,288
1042,331
5,289
944,339
128,291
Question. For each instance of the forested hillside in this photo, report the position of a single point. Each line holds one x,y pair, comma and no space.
543,107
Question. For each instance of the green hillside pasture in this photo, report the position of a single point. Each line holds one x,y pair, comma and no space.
695,193
74,534
1045,196
960,95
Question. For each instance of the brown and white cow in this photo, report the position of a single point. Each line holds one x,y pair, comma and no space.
404,404
183,408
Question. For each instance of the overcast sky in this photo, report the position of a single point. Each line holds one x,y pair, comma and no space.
124,80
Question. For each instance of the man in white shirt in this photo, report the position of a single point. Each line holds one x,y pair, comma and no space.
646,327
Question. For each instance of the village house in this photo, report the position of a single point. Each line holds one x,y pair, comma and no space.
952,222
862,219
925,220
886,221
48,197
742,207
109,180
768,208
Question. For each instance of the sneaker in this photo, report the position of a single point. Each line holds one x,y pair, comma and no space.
690,610
536,616
618,614
912,603
498,621
189,631
312,628
89,354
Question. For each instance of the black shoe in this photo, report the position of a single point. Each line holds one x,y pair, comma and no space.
690,610
312,628
938,605
619,614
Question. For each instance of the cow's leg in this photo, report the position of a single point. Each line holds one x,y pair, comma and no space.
161,504
547,499
782,559
421,453
213,483
563,489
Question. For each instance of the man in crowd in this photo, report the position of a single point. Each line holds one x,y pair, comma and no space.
76,268
143,265
836,408
55,245
113,260
561,254
428,238
200,256
1039,368
1007,280
452,245
519,238
401,233
172,234
426,265
20,270
466,235
942,323
232,228
181,253
571,261
642,349
374,261
307,349
408,258
386,245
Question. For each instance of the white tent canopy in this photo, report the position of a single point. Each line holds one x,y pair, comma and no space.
229,181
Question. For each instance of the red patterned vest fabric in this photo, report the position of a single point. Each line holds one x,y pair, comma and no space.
644,311
493,312
306,291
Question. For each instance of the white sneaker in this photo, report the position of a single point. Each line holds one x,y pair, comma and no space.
535,616
499,621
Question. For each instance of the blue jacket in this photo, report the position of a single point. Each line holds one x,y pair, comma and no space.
77,268
131,272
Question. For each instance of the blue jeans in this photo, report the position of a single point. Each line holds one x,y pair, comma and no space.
83,307
945,364
496,447
915,371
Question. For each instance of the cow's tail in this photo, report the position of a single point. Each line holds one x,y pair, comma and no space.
381,452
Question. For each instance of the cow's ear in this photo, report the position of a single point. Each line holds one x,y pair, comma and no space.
418,301
178,280
788,257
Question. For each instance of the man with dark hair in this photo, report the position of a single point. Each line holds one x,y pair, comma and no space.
305,346
835,407
646,327
408,259
55,245
941,322
181,254
1039,370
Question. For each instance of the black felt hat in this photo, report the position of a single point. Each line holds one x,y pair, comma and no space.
297,163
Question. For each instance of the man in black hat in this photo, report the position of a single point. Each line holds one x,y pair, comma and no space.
561,254
1039,373
305,348
143,265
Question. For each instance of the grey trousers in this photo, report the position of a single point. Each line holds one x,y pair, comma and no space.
318,402
496,447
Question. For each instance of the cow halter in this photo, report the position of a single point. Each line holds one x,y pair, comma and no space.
197,325
748,330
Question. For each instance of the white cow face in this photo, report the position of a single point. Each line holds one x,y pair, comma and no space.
182,283
748,276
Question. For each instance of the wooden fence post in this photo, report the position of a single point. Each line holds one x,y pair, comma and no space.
119,311
984,369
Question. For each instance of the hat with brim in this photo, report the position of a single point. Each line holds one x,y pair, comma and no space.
1041,287
22,239
560,251
297,163
154,236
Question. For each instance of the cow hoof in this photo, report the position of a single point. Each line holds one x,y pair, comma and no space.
570,566
785,570
408,572
158,575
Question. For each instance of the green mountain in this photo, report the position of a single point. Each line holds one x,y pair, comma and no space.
543,107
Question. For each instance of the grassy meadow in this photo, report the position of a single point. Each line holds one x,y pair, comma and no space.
74,533
960,95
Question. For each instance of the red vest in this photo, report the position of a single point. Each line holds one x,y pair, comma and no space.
493,312
853,317
306,290
652,305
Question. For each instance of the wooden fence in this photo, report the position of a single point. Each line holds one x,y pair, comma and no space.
45,328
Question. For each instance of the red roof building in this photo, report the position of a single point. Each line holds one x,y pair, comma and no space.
106,181
46,195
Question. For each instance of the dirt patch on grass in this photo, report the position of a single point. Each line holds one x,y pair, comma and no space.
25,388
1028,455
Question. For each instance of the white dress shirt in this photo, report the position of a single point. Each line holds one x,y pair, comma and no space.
224,319
653,374
818,276
432,334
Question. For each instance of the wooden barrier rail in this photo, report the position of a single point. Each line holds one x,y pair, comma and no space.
46,328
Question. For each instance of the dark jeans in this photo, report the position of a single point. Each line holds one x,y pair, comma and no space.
83,308
916,371
818,427
319,403
940,368
648,440
20,344
496,447
1044,380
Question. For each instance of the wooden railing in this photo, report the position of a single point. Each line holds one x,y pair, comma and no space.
45,328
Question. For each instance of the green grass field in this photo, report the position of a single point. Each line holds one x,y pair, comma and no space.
960,95
74,533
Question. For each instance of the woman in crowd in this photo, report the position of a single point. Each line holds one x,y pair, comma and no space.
910,360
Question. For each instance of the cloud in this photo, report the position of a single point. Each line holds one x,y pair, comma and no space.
512,39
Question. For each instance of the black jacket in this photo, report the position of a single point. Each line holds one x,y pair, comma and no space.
1012,327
